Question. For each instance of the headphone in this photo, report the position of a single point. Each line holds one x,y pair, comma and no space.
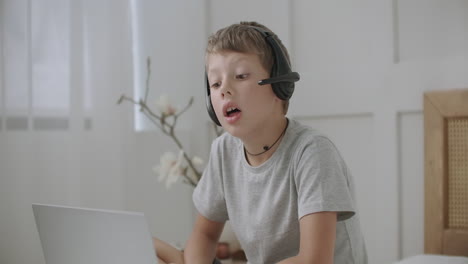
282,78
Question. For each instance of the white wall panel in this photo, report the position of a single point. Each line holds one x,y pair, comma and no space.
341,49
411,179
432,28
431,40
224,13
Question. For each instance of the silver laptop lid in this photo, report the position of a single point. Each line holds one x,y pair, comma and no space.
90,236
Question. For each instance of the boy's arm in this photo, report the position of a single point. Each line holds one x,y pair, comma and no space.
317,242
201,246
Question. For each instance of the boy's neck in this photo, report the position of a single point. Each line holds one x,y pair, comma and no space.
254,149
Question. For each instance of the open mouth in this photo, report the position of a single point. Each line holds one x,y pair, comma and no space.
231,111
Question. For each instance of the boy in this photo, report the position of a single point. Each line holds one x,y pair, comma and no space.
284,187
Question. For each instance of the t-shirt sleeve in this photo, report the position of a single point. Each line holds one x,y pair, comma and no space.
208,196
322,181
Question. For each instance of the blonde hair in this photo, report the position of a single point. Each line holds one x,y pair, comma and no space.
243,38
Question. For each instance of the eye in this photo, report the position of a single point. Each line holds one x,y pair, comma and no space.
242,76
215,85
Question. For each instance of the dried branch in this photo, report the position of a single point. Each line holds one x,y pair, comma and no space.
166,122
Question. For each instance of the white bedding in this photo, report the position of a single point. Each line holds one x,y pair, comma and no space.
434,259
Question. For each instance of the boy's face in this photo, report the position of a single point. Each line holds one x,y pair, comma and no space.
240,103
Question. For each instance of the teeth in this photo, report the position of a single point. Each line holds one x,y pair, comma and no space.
231,110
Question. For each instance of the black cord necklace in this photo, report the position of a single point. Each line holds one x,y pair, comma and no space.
267,148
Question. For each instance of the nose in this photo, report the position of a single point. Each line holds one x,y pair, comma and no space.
226,89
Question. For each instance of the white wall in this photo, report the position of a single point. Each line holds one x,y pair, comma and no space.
364,66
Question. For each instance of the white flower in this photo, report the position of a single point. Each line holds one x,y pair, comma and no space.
197,161
176,171
166,161
164,105
170,168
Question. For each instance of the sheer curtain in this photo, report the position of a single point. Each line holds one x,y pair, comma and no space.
63,139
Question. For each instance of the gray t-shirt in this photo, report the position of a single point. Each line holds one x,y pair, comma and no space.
264,204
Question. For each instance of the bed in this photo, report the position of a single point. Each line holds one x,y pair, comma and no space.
446,179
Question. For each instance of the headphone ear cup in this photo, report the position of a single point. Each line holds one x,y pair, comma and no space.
283,90
209,105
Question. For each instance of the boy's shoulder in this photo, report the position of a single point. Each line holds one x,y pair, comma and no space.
303,137
305,132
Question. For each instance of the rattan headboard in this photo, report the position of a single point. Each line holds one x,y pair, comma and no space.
446,172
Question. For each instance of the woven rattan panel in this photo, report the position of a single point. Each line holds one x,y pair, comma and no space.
457,129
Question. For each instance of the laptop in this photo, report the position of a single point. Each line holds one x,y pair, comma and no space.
75,235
